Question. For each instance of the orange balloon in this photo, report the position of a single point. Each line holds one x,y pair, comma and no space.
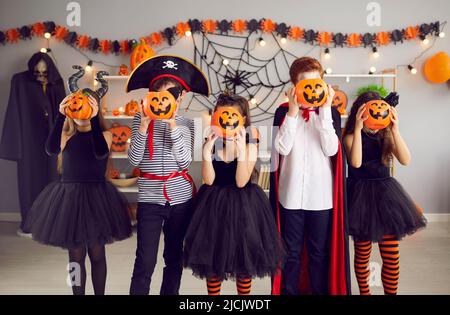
437,68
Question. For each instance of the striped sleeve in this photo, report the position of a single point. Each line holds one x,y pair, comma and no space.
183,143
137,144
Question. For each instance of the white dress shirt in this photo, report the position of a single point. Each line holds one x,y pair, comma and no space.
306,178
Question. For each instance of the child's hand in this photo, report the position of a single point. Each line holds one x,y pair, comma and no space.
94,105
145,121
360,118
293,105
209,142
64,104
394,119
329,97
241,142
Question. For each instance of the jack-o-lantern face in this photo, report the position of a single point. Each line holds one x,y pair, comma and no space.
131,108
120,136
311,92
79,107
378,116
226,121
340,101
160,105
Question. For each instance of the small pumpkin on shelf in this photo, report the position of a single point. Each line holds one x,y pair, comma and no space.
121,134
131,108
141,52
123,70
340,100
113,173
136,172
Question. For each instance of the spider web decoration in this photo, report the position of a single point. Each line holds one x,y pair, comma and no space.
238,67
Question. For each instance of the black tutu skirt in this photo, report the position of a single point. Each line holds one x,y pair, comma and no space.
71,215
381,207
232,233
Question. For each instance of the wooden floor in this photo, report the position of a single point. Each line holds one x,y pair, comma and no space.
27,267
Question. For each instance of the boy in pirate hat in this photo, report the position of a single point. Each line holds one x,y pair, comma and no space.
162,149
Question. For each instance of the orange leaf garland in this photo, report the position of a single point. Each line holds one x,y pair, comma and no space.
209,26
124,47
268,26
83,41
61,32
354,40
382,38
155,39
239,26
324,38
182,28
38,29
105,46
12,35
411,32
296,33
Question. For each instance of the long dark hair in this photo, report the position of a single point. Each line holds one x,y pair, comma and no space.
385,134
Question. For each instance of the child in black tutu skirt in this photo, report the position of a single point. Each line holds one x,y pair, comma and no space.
82,212
379,209
232,233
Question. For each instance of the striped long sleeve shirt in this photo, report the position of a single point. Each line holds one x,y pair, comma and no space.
172,151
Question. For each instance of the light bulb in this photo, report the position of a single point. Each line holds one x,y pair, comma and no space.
375,52
283,40
47,35
328,71
226,62
412,69
425,41
441,34
253,101
43,50
188,33
262,42
88,67
327,54
372,70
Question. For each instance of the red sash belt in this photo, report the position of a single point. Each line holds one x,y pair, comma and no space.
184,173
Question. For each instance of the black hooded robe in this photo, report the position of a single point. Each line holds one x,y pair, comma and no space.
29,118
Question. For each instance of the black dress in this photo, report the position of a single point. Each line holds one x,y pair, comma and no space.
233,230
83,208
378,205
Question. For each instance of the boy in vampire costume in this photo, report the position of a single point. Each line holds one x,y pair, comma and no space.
162,145
307,191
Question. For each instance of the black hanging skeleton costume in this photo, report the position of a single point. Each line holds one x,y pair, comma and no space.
30,115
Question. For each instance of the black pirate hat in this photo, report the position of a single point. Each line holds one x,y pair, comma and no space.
169,66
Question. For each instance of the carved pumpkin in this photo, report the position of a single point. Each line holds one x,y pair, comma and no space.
378,115
136,172
131,108
79,107
311,92
120,136
141,52
160,105
226,121
340,100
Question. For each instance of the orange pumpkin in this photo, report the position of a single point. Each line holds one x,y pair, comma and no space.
79,107
123,70
141,52
226,121
311,92
113,173
160,105
378,115
340,100
437,68
131,108
136,172
120,136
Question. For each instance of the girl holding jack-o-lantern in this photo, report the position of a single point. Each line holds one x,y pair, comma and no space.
82,211
379,209
232,233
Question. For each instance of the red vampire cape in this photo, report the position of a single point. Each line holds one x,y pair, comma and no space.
339,267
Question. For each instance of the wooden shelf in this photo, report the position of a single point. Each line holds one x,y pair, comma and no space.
119,155
375,75
116,77
131,189
112,117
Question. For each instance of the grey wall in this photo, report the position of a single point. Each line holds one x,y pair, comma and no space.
424,109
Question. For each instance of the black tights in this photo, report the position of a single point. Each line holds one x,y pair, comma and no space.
98,269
